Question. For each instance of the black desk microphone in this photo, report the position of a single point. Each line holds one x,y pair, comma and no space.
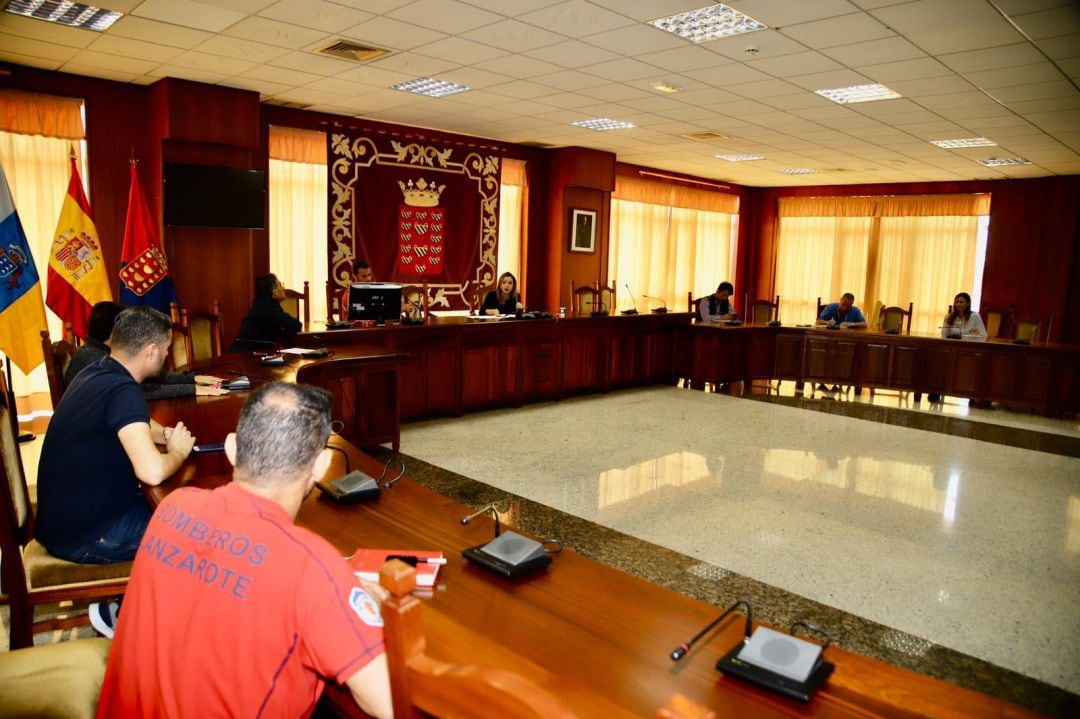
633,311
680,651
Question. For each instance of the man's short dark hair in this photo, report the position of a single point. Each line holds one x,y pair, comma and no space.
283,426
265,285
360,265
726,286
137,327
848,296
102,318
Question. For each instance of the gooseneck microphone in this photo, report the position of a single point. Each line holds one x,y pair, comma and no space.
633,311
663,305
386,468
680,651
484,510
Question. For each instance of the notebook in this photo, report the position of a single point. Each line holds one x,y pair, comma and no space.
367,563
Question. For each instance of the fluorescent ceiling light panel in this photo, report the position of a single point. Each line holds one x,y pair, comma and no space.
739,157
858,93
1002,161
797,171
965,142
603,123
665,87
431,88
62,12
708,23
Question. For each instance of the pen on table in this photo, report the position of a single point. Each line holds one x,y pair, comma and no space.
409,559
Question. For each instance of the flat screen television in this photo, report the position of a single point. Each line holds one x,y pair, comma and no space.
379,301
205,196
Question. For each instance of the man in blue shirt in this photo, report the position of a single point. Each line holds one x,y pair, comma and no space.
843,314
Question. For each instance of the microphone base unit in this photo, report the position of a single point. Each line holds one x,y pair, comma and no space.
628,312
660,311
477,555
353,487
731,665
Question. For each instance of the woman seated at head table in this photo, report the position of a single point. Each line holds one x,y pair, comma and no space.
503,300
962,323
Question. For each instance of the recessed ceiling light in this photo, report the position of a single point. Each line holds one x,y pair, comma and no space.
739,157
1002,161
62,12
430,87
603,123
966,142
859,93
797,171
708,23
665,87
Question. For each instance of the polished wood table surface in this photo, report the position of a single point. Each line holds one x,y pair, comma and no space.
597,637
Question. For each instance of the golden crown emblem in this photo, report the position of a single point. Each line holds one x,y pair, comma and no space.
421,194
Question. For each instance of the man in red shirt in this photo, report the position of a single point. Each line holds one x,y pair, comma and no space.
232,610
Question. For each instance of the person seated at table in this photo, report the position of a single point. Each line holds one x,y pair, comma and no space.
232,609
961,322
843,314
361,272
161,386
504,300
102,445
718,306
267,323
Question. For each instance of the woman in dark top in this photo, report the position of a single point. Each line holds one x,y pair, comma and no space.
266,323
504,299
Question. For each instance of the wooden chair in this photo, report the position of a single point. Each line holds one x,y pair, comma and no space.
693,306
475,298
762,312
584,300
204,330
293,300
61,680
416,298
892,319
1027,330
181,348
58,356
424,686
998,321
31,576
606,296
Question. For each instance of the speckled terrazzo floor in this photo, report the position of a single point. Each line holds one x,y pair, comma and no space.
955,556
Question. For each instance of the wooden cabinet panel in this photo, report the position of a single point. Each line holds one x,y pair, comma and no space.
542,375
967,372
934,369
789,350
875,361
490,374
1035,380
628,359
583,360
761,355
816,360
1000,375
440,380
905,362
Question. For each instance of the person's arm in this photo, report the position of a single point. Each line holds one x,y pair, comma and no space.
977,330
703,310
859,321
370,687
285,321
491,304
150,465
824,318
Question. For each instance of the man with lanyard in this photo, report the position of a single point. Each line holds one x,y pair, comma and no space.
843,314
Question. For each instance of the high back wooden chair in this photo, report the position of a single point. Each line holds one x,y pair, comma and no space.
997,320
415,300
181,349
204,329
31,576
584,300
298,304
476,297
896,319
693,305
58,356
424,686
1028,330
762,312
606,297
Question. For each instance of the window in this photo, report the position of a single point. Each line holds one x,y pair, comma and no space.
667,241
892,249
513,199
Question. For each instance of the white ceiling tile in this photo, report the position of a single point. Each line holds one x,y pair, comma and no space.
829,80
1052,22
278,75
317,14
636,39
204,62
732,74
187,13
104,61
16,49
783,12
571,53
769,43
188,73
414,65
391,34
765,89
1011,76
799,63
475,78
467,52
45,31
576,18
119,74
873,52
311,62
1036,91
272,32
240,49
447,16
513,36
932,86
1058,48
692,57
518,66
622,70
1022,53
374,77
942,27
837,30
569,80
247,7
159,33
127,47
918,69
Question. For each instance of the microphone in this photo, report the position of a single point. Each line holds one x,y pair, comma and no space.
386,468
633,311
680,651
484,510
658,310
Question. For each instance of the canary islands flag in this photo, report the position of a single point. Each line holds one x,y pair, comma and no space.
22,315
77,278
144,273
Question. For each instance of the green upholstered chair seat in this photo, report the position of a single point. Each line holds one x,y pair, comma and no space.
54,681
44,570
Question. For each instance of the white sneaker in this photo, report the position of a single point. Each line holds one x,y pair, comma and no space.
103,617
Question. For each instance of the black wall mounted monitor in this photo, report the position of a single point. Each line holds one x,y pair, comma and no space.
206,196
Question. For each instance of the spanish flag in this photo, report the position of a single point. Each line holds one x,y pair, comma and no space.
144,271
22,315
77,278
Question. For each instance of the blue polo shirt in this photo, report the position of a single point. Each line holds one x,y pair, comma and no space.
832,312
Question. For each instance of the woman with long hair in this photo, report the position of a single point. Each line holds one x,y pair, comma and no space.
961,322
503,300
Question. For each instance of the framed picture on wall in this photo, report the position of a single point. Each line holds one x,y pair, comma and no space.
583,231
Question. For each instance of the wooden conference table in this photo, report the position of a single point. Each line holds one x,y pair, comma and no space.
456,365
596,637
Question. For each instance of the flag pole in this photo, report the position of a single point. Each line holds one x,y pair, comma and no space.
23,436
